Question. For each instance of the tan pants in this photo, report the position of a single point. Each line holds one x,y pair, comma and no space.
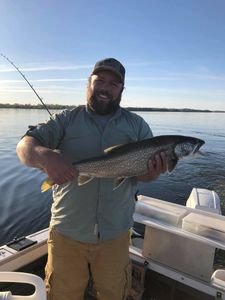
67,272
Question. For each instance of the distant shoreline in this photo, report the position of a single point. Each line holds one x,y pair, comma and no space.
143,109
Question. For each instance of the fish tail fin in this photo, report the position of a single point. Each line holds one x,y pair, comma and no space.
46,185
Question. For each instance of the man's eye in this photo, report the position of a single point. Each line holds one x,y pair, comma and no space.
115,84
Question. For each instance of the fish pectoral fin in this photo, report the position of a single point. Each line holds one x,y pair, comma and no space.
171,164
46,185
83,179
118,181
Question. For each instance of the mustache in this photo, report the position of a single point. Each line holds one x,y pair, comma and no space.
104,93
102,107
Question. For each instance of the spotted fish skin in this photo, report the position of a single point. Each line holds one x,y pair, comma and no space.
131,159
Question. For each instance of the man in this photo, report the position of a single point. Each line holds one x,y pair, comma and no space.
89,224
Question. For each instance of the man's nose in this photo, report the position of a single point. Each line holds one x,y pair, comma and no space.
105,86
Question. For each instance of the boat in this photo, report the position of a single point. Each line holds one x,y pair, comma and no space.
177,252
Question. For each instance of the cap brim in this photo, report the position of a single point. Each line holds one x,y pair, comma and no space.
107,68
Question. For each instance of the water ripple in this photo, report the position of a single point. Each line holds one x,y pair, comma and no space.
24,209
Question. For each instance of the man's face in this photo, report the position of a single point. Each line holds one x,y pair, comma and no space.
104,92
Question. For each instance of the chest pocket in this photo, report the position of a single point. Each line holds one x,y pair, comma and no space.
86,141
81,142
119,135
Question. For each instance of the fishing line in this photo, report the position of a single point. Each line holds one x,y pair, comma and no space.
24,77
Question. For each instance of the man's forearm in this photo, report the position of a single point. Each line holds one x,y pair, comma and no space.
31,153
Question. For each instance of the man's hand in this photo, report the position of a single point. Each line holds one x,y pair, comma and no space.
156,166
58,168
33,154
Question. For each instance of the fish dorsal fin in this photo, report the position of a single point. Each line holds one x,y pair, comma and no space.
110,149
83,179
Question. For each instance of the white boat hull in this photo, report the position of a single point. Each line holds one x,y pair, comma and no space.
166,224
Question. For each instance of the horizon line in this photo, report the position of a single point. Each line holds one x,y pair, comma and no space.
40,106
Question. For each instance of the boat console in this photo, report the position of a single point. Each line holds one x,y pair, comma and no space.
185,240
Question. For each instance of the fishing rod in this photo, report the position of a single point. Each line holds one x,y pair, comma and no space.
24,77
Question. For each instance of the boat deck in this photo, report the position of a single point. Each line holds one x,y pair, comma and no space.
156,286
172,262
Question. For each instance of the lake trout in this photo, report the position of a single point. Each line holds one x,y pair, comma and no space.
129,160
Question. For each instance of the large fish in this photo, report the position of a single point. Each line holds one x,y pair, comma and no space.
131,159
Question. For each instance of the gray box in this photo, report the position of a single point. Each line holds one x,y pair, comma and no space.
205,226
179,252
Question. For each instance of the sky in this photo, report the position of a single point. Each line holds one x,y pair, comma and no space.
173,50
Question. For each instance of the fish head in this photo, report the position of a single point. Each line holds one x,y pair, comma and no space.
182,148
188,146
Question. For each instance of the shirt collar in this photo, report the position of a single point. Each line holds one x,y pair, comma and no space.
116,115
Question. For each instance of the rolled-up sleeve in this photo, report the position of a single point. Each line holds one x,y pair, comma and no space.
145,131
51,132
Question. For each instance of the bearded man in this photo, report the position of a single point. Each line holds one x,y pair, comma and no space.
89,224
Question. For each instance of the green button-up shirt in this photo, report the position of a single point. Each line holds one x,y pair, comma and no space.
92,212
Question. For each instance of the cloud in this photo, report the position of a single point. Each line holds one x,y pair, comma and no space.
44,80
60,80
48,68
51,90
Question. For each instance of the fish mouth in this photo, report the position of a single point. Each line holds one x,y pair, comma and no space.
198,146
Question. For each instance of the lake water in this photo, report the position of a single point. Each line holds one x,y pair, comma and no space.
24,209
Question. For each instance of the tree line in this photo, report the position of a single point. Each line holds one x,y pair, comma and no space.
61,107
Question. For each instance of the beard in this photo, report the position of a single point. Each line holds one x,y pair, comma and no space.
102,107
